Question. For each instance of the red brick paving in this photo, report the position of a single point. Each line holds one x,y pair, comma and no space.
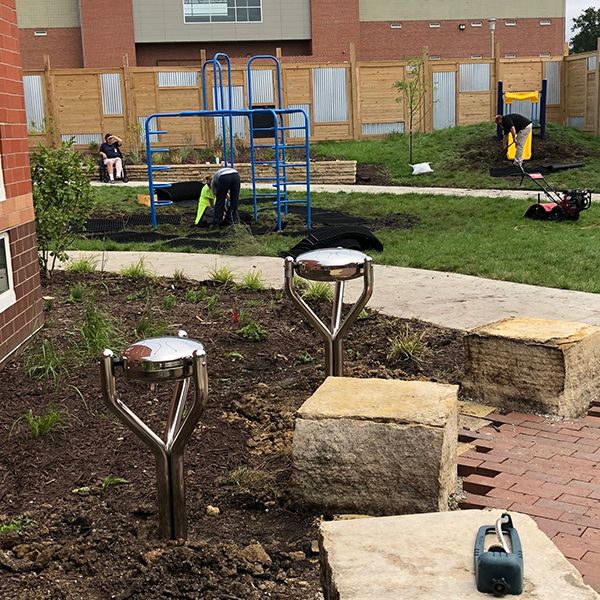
547,469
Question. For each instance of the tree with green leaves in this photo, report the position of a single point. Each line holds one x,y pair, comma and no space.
63,198
587,26
411,91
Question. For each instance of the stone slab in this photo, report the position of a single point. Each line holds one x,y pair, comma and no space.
533,365
376,446
430,557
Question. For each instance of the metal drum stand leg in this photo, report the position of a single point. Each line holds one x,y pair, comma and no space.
163,359
336,265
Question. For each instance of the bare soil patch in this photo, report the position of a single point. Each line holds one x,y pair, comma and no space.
102,544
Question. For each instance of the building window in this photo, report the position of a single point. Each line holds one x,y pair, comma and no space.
7,291
435,24
396,25
476,24
545,22
545,55
510,55
222,11
510,23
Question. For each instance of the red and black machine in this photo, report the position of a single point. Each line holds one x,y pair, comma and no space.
564,205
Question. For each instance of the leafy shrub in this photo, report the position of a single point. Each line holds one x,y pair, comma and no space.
63,198
409,346
253,332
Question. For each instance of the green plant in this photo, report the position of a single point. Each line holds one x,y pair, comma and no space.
318,291
212,305
48,303
149,326
253,281
137,270
304,357
221,275
169,301
63,198
45,423
249,479
175,156
235,356
77,292
82,265
179,277
253,332
111,480
409,346
195,296
13,526
45,362
98,332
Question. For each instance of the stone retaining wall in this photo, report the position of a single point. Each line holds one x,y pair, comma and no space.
340,172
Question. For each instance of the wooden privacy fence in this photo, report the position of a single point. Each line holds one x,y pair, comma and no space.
351,100
582,85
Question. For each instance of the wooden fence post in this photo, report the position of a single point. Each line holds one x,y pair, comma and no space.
51,115
355,117
598,86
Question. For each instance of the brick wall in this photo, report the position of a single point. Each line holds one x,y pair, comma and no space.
182,54
334,26
378,41
107,33
19,321
63,45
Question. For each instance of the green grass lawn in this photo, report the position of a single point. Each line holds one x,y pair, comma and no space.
475,236
461,157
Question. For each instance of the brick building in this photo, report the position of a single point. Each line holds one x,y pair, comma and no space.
97,33
20,297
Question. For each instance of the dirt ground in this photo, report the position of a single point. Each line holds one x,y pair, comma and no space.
75,539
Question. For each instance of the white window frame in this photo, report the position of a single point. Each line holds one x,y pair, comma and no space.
545,22
7,298
235,21
476,24
435,24
510,23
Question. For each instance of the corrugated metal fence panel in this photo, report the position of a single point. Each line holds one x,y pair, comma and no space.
34,103
262,87
552,74
382,128
154,139
238,123
527,108
576,122
591,63
83,139
297,120
177,79
330,95
112,103
475,77
444,99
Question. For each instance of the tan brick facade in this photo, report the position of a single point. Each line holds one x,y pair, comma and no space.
21,319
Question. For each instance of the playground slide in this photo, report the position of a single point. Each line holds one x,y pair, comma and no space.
512,148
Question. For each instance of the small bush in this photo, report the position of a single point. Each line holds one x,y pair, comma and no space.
45,362
179,277
221,275
82,265
44,424
137,271
304,357
249,480
98,332
253,332
253,281
149,326
78,292
409,346
214,309
195,296
169,301
318,291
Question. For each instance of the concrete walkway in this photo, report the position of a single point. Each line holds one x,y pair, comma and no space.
529,195
444,299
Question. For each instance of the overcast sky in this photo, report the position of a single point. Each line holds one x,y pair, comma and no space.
575,8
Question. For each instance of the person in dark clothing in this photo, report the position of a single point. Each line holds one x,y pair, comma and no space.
224,182
520,127
112,157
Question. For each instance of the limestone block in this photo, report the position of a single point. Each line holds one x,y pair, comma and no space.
430,557
534,365
376,446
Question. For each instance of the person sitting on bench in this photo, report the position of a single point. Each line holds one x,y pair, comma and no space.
226,182
112,157
520,127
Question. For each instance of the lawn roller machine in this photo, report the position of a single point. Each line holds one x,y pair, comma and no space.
565,205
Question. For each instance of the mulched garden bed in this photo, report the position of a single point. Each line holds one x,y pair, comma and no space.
101,542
